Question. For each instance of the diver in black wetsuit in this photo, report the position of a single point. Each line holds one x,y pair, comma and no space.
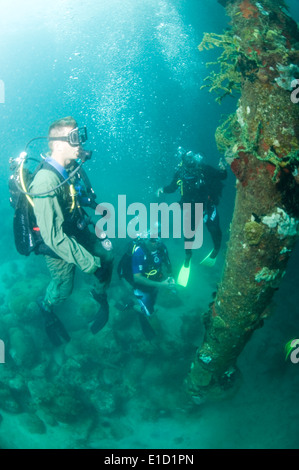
199,183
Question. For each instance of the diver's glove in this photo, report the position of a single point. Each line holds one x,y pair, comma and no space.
102,273
102,315
159,192
53,326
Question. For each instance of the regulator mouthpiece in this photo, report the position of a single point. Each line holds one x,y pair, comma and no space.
85,155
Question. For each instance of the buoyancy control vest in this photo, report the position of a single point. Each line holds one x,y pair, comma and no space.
124,268
203,184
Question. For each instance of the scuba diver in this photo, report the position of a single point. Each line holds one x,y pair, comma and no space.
57,224
143,267
198,183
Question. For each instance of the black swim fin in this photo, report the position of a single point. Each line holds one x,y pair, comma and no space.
53,326
102,315
146,327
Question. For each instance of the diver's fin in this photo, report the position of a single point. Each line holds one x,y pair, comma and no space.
184,275
54,327
56,330
100,320
146,327
208,261
102,315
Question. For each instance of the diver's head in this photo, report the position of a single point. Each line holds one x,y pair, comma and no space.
152,242
65,139
181,152
154,236
151,237
192,160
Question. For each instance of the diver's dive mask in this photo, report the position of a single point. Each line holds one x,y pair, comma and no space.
75,138
180,152
192,160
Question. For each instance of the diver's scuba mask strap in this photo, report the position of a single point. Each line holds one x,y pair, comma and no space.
75,137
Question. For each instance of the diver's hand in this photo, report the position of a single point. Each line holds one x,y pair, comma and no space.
171,282
101,273
168,283
159,192
221,165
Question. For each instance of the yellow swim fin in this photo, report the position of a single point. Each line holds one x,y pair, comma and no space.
207,261
184,275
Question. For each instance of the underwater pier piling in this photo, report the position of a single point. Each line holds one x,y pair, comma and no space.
260,141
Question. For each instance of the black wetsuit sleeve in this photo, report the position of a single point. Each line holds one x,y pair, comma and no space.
222,174
172,187
214,173
166,260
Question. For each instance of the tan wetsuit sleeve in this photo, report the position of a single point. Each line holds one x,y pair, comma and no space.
50,218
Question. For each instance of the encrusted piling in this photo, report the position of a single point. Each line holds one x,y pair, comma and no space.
261,144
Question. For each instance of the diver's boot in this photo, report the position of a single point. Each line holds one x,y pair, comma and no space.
102,315
53,326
